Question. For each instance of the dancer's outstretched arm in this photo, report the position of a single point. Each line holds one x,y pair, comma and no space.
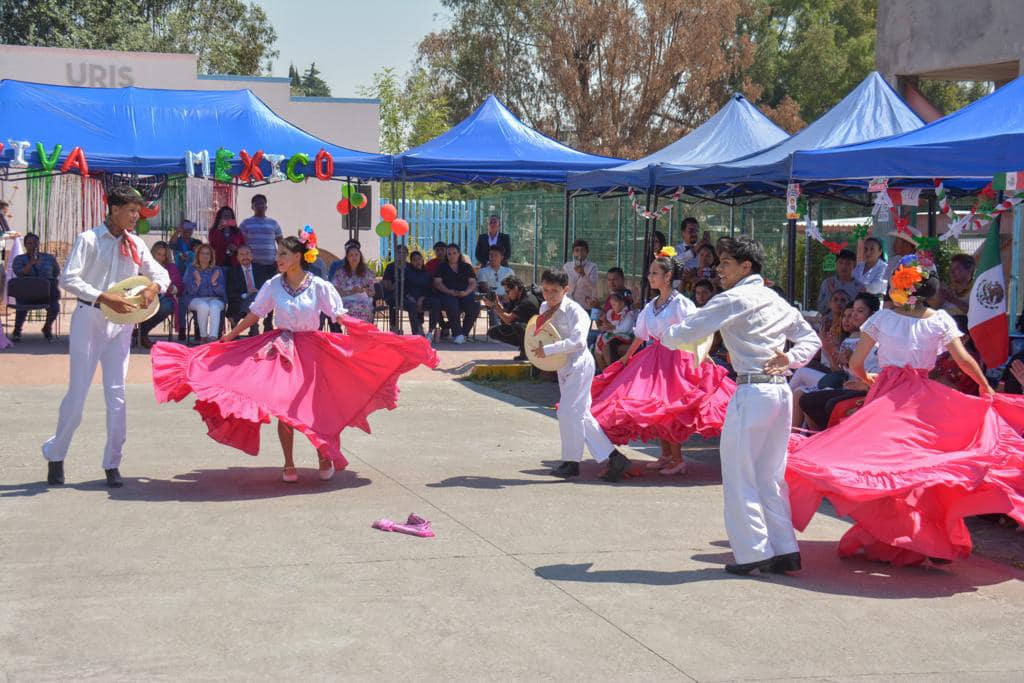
245,323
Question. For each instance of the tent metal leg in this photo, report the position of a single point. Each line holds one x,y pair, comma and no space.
931,217
536,235
565,228
732,219
1018,232
807,257
791,259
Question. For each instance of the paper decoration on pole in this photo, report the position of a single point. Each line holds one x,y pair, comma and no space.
834,247
792,196
222,165
388,213
149,211
202,157
400,226
323,165
275,167
251,170
293,175
383,229
76,160
828,264
653,215
905,197
344,206
940,194
142,227
19,147
878,185
861,232
47,162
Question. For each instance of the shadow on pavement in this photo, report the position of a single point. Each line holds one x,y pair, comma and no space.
697,474
206,486
824,572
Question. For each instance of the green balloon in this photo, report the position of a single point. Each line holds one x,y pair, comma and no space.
142,227
349,191
383,229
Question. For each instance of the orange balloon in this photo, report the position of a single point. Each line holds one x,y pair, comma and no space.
399,226
388,213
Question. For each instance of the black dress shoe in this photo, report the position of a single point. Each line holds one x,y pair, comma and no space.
790,562
747,568
617,466
55,472
566,469
114,479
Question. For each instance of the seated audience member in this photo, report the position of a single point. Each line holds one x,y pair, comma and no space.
168,299
954,297
490,276
871,267
225,237
494,237
706,269
36,263
686,251
205,293
841,281
1012,381
456,284
419,298
521,306
244,281
181,245
703,290
582,274
830,329
622,319
354,282
407,276
616,281
440,256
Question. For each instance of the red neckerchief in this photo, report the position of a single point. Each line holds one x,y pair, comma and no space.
543,318
128,247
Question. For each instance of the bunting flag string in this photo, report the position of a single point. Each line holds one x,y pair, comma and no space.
653,215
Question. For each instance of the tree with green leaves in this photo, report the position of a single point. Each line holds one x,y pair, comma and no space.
313,85
410,113
228,36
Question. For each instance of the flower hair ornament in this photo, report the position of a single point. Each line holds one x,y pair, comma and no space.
906,280
667,252
308,237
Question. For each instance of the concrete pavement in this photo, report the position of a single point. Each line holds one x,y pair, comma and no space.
205,566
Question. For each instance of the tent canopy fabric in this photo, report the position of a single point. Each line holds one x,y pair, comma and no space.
737,130
872,110
982,139
148,131
491,145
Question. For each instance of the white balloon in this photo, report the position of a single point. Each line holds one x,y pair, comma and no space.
275,167
19,147
202,158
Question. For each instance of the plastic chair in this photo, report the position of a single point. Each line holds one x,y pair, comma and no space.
844,409
35,290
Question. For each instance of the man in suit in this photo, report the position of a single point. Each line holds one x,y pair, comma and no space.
244,280
493,237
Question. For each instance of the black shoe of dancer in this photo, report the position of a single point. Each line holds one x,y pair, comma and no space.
790,562
618,464
748,567
114,479
55,473
566,469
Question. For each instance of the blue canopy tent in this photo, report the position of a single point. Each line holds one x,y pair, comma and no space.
492,146
738,129
149,132
872,110
984,138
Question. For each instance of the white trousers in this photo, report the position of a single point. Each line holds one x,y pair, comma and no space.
208,310
805,378
753,448
575,423
94,339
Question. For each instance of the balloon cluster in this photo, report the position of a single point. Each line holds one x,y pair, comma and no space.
308,237
351,198
390,222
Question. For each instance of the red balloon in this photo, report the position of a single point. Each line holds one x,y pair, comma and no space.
149,211
388,213
399,226
344,206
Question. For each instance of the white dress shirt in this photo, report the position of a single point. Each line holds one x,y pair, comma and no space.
580,288
573,326
872,280
754,321
301,312
96,263
494,279
686,256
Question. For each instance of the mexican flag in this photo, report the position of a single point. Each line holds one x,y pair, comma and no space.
989,325
1011,181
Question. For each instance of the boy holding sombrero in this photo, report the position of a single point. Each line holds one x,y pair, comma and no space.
99,259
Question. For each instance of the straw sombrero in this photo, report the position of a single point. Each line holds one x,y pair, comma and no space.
132,289
547,334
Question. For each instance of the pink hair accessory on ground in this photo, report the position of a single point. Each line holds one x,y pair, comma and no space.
414,526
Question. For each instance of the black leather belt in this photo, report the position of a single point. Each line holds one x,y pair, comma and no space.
90,304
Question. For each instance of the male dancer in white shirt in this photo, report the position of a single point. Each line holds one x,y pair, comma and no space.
100,258
755,324
575,423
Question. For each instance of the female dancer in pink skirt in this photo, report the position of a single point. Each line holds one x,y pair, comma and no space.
919,456
315,382
661,393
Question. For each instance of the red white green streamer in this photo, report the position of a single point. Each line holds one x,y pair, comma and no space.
653,215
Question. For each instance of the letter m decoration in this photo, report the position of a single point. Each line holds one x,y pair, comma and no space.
192,158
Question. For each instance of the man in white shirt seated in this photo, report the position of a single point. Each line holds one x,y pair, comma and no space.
582,274
686,251
490,278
